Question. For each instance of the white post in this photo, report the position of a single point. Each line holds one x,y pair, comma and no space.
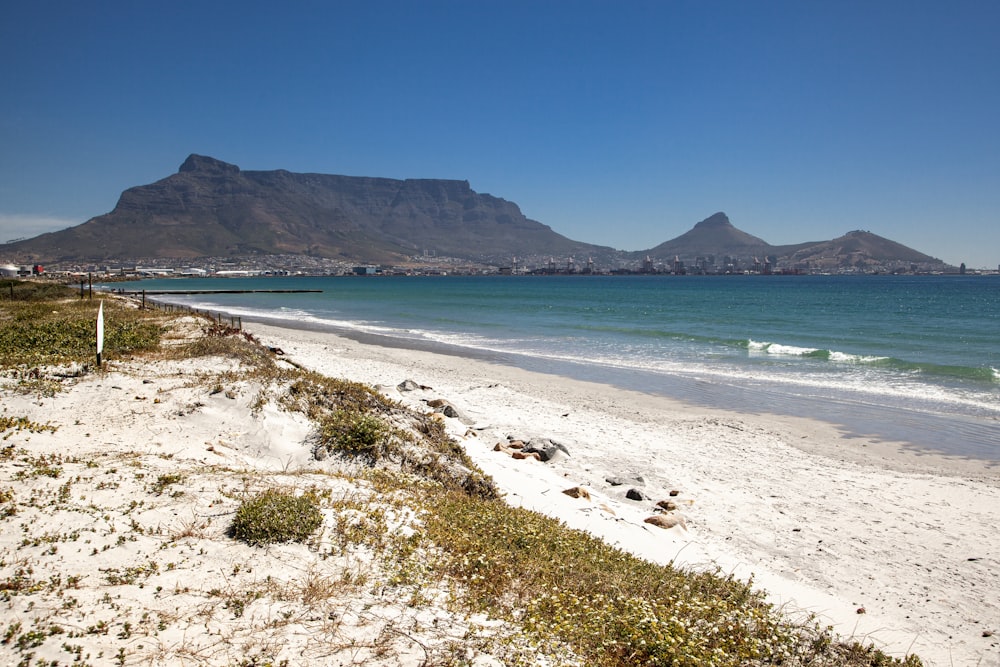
100,333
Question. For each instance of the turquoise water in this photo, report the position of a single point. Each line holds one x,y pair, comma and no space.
915,359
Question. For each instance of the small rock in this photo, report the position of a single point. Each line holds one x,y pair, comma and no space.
407,385
521,455
515,444
668,505
547,449
635,494
618,480
578,492
665,520
862,610
321,453
444,407
674,493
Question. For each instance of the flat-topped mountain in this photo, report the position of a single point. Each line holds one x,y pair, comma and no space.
210,208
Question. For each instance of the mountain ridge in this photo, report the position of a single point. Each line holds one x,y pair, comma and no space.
211,208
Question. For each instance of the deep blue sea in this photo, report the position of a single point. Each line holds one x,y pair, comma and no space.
915,359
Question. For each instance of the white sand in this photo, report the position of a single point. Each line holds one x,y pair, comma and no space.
825,525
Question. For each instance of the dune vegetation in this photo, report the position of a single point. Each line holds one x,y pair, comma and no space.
432,531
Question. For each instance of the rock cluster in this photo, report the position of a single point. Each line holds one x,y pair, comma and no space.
539,449
665,512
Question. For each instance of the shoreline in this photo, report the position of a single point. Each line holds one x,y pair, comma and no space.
906,537
956,429
835,441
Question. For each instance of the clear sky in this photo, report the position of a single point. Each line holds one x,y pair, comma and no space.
619,123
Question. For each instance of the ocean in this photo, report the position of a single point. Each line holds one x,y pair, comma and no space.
907,359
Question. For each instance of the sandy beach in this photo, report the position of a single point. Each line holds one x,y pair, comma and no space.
887,545
827,525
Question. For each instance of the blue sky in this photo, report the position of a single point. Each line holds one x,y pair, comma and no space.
618,123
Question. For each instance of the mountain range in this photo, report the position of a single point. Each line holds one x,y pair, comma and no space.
211,208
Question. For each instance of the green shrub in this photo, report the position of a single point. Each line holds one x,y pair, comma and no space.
356,433
53,332
566,588
29,290
316,395
277,516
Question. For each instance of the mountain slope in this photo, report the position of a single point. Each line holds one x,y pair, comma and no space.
211,208
714,235
857,248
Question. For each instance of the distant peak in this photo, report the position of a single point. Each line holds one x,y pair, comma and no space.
208,164
720,219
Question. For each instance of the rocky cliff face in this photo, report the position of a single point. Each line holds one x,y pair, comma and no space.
211,208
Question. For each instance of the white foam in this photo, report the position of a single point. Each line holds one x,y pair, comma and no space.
778,349
844,357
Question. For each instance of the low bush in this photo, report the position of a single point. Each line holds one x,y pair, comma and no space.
277,516
356,433
37,332
30,290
